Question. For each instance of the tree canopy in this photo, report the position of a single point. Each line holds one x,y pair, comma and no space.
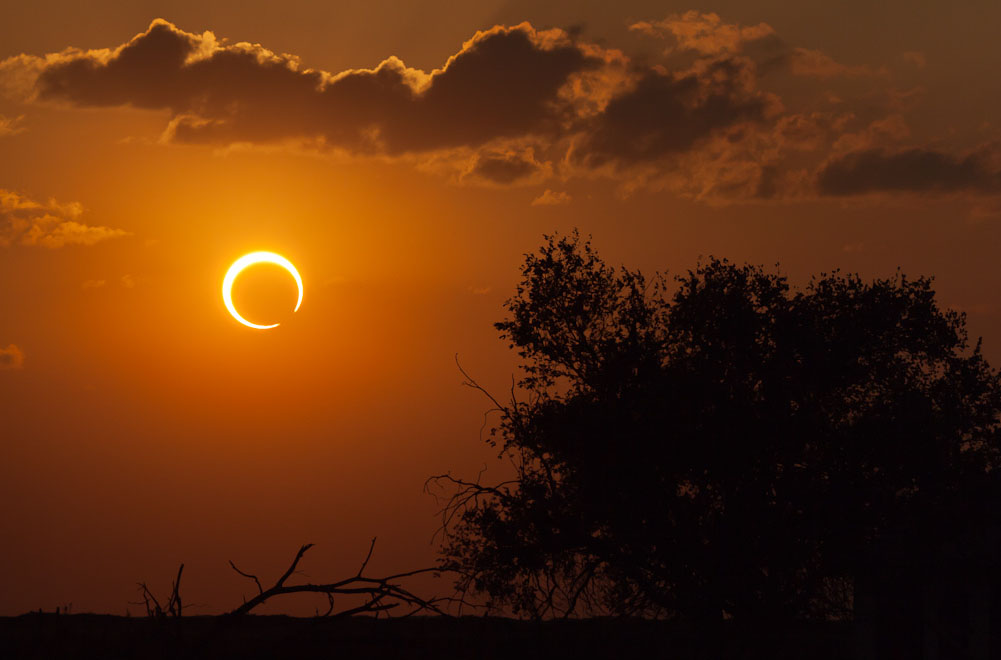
721,443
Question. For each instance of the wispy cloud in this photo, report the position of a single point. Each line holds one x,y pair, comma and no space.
11,125
51,224
11,357
551,198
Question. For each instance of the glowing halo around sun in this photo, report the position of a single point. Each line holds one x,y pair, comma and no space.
249,260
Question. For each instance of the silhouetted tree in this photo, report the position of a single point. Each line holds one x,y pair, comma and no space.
721,444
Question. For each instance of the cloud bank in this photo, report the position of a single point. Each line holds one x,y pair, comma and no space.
503,83
911,170
519,105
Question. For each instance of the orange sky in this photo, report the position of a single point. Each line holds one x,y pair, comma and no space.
141,426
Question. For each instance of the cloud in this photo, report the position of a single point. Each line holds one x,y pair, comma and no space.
11,125
52,225
506,84
11,358
667,113
809,152
502,83
551,198
126,281
807,62
504,168
516,105
708,35
911,170
990,210
915,58
704,33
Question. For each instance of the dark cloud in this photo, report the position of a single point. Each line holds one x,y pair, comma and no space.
767,182
502,83
908,170
507,83
666,114
504,168
144,73
517,105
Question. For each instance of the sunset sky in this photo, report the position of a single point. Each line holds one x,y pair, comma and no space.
405,156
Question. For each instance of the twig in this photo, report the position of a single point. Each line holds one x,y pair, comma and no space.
260,589
367,557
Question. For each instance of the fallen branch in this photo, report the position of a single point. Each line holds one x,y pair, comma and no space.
381,594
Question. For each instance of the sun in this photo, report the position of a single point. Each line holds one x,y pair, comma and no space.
249,260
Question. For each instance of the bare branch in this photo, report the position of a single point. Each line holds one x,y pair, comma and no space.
330,599
174,604
375,589
147,596
260,589
154,608
295,562
367,557
471,382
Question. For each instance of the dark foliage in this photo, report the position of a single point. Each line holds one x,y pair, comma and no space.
723,445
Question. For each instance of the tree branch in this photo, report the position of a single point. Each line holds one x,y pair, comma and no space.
375,589
367,557
174,604
295,562
260,589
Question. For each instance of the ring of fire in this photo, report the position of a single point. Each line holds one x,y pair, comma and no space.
249,260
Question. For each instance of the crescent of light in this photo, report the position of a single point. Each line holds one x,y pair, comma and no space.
250,260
